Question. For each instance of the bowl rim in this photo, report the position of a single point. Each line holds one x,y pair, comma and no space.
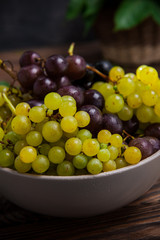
82,177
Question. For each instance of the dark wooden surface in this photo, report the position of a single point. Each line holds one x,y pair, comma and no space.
138,220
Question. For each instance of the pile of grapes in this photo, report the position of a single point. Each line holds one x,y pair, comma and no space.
68,117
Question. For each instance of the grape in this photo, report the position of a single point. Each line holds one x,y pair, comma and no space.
134,100
21,124
106,89
53,100
126,86
80,161
126,113
148,75
40,164
139,69
95,118
37,114
153,130
21,166
69,124
56,154
67,98
82,118
44,149
144,145
56,66
84,134
14,99
104,136
42,86
23,108
94,166
113,152
73,146
114,103
93,97
1,134
27,75
72,134
28,154
52,131
6,158
5,113
65,168
109,166
90,147
29,58
34,102
155,143
112,123
75,92
120,163
116,73
86,81
103,155
104,67
67,108
76,67
19,145
34,138
144,113
149,97
63,82
132,125
11,138
133,155
116,140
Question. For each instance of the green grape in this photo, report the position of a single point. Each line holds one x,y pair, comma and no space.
144,113
67,108
14,99
155,86
134,100
2,101
60,143
73,146
11,138
126,113
5,113
132,155
104,136
94,166
106,89
148,75
39,126
131,76
155,119
56,154
114,103
68,98
139,69
116,140
28,154
72,134
103,145
83,118
21,166
6,158
23,108
114,152
69,124
1,147
1,134
109,166
157,108
80,161
34,138
65,168
149,97
53,100
84,134
3,87
44,149
21,124
103,155
90,147
80,172
19,145
52,131
37,114
97,85
116,73
40,164
120,163
126,86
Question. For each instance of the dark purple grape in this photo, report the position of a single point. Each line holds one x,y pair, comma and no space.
28,75
42,86
131,126
76,67
144,145
35,102
93,97
96,118
153,130
29,58
112,123
87,81
104,66
76,92
155,143
63,81
56,66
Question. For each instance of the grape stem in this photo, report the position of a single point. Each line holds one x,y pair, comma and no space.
127,135
97,71
71,49
10,105
11,72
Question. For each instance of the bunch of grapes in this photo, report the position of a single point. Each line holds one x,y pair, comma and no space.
73,118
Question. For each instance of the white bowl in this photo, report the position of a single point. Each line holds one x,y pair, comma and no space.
80,196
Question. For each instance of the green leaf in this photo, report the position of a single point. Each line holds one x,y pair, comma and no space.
156,12
130,13
92,7
75,8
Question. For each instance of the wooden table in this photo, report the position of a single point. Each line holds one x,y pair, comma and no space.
138,220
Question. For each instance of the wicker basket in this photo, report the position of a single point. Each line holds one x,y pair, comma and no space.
140,45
